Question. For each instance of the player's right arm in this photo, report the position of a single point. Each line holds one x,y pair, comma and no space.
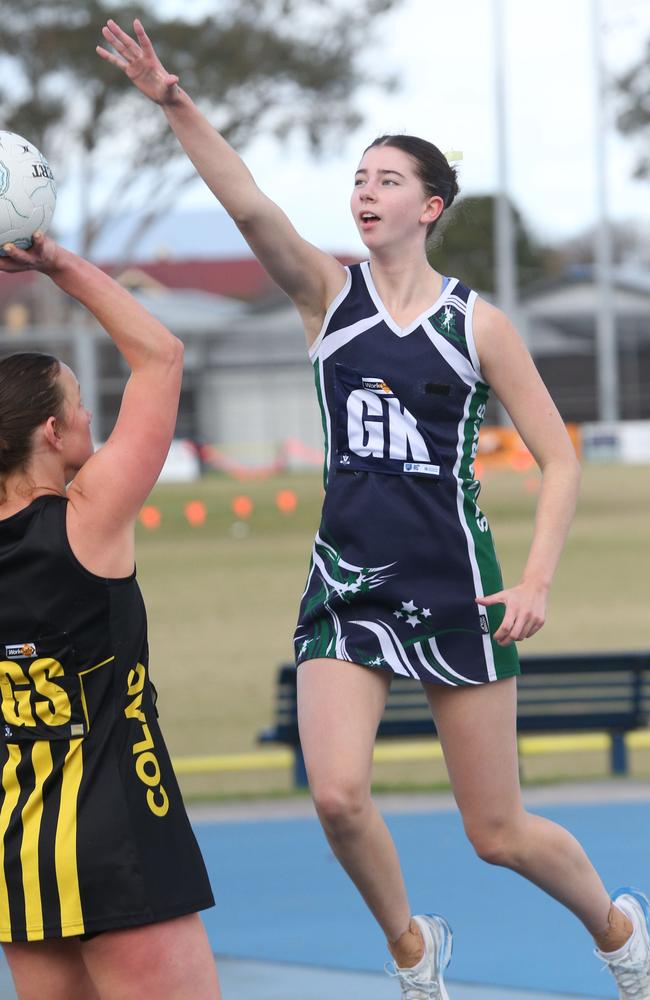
309,276
109,488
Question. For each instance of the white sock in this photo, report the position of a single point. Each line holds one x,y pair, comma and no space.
631,941
620,952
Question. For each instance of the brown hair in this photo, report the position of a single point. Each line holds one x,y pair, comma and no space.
29,394
435,172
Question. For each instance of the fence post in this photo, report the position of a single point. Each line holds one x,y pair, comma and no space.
619,754
299,769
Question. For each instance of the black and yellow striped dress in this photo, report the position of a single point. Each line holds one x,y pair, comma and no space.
93,831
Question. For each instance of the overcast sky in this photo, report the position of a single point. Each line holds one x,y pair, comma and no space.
443,55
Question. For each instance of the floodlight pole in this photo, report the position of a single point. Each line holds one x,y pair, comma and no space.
505,259
84,336
605,314
504,234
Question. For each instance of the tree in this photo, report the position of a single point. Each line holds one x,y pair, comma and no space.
465,246
255,66
634,118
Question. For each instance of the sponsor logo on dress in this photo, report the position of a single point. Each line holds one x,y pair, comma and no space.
423,468
77,729
21,650
147,767
344,459
376,385
485,625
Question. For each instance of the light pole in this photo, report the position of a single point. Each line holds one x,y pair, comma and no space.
605,313
505,257
504,230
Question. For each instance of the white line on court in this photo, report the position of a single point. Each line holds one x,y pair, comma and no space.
273,981
569,793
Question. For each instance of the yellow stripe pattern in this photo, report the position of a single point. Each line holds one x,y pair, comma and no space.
11,791
65,846
32,816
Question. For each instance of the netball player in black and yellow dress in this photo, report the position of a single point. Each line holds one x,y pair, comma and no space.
101,877
403,576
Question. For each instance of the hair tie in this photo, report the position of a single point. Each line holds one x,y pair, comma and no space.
453,155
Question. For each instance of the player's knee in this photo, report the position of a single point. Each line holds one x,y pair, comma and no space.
495,841
340,805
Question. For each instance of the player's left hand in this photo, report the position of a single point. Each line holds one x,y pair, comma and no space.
137,59
525,610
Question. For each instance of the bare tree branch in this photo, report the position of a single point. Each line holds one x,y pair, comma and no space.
256,66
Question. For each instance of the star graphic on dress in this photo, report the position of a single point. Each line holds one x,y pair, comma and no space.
413,620
425,613
409,606
377,662
304,646
398,614
447,317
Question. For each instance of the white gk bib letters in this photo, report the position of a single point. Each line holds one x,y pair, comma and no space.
374,422
375,431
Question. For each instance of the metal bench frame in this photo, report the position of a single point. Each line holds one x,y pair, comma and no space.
559,692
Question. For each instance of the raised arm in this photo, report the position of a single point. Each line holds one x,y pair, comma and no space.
109,489
309,276
508,367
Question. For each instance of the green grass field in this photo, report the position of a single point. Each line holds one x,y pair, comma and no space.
222,606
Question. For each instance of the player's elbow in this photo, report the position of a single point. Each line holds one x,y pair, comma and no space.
564,466
176,352
169,354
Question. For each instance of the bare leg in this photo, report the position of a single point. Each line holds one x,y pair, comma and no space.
339,708
171,960
52,969
477,729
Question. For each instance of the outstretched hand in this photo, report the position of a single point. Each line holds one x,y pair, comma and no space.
138,60
41,256
525,611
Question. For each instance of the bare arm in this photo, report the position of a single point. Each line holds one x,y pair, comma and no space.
110,488
309,276
509,369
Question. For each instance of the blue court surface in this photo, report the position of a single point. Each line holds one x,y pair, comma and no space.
288,924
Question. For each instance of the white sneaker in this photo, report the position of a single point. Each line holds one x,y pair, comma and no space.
630,966
424,980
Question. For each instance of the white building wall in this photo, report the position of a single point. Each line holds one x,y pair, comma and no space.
253,415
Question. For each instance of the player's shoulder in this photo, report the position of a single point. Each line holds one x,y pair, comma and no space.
488,318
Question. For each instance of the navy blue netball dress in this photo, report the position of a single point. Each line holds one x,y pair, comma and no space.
403,548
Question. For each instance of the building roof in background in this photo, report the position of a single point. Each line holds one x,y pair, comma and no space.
187,311
240,278
218,285
12,285
624,278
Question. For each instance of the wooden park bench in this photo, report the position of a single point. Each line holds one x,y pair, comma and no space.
558,693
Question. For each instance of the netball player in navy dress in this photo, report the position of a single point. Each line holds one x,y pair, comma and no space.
101,877
403,578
